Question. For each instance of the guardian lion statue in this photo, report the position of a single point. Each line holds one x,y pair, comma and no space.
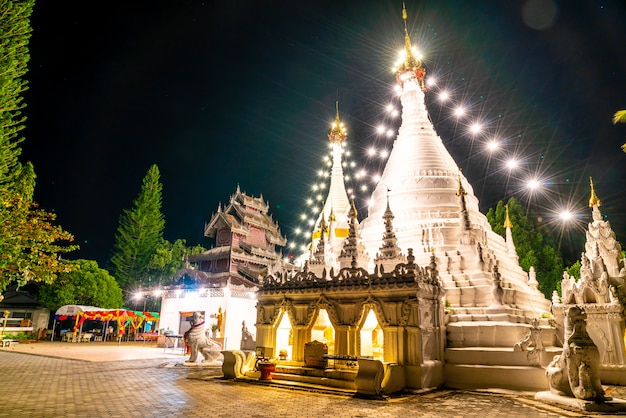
575,371
199,342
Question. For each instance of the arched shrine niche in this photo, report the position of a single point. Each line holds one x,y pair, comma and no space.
284,336
323,330
372,339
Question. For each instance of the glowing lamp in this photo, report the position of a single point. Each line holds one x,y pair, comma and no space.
533,184
476,128
511,164
493,145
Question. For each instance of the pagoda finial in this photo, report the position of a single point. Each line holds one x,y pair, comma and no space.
388,213
323,224
338,132
410,66
407,40
332,217
460,191
507,219
353,212
593,200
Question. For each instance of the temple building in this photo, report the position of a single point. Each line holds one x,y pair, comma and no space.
421,293
380,294
222,281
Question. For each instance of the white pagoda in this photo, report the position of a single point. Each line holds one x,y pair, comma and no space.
332,225
424,245
600,292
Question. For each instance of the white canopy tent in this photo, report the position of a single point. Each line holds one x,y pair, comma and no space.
69,311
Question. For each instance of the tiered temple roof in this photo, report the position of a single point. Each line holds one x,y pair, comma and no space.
246,237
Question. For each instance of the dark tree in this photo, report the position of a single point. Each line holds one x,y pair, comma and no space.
87,284
169,258
29,241
533,243
139,233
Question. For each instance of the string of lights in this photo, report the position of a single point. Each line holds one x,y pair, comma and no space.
497,150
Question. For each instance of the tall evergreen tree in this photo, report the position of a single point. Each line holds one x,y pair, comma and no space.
534,245
29,242
14,36
169,258
139,233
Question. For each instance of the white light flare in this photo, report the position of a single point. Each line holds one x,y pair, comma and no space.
493,145
533,184
512,164
566,215
476,128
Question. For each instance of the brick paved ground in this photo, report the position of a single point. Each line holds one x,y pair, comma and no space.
40,386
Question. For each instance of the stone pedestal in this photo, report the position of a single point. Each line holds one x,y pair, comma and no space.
315,354
612,406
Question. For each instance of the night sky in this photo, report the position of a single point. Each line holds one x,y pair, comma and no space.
243,92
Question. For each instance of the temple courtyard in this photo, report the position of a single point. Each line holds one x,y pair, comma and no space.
140,380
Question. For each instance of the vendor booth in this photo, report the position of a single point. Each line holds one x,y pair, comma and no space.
114,324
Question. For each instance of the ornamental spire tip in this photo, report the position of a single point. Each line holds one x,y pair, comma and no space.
338,132
593,200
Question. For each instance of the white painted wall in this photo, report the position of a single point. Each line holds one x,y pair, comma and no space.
237,306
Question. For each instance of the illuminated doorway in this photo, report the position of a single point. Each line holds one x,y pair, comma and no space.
284,337
372,340
324,331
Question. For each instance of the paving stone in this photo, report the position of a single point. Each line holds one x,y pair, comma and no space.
42,386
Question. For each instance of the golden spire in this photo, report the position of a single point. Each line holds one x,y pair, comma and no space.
332,217
408,49
507,219
353,212
338,132
460,191
411,63
593,200
323,224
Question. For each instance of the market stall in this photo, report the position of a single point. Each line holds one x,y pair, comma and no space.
124,319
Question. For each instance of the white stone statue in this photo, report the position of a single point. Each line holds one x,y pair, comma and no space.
532,278
575,372
199,342
247,339
531,344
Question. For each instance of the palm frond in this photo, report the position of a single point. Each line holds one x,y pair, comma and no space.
619,116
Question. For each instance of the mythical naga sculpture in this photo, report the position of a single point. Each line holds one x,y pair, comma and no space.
199,342
575,371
